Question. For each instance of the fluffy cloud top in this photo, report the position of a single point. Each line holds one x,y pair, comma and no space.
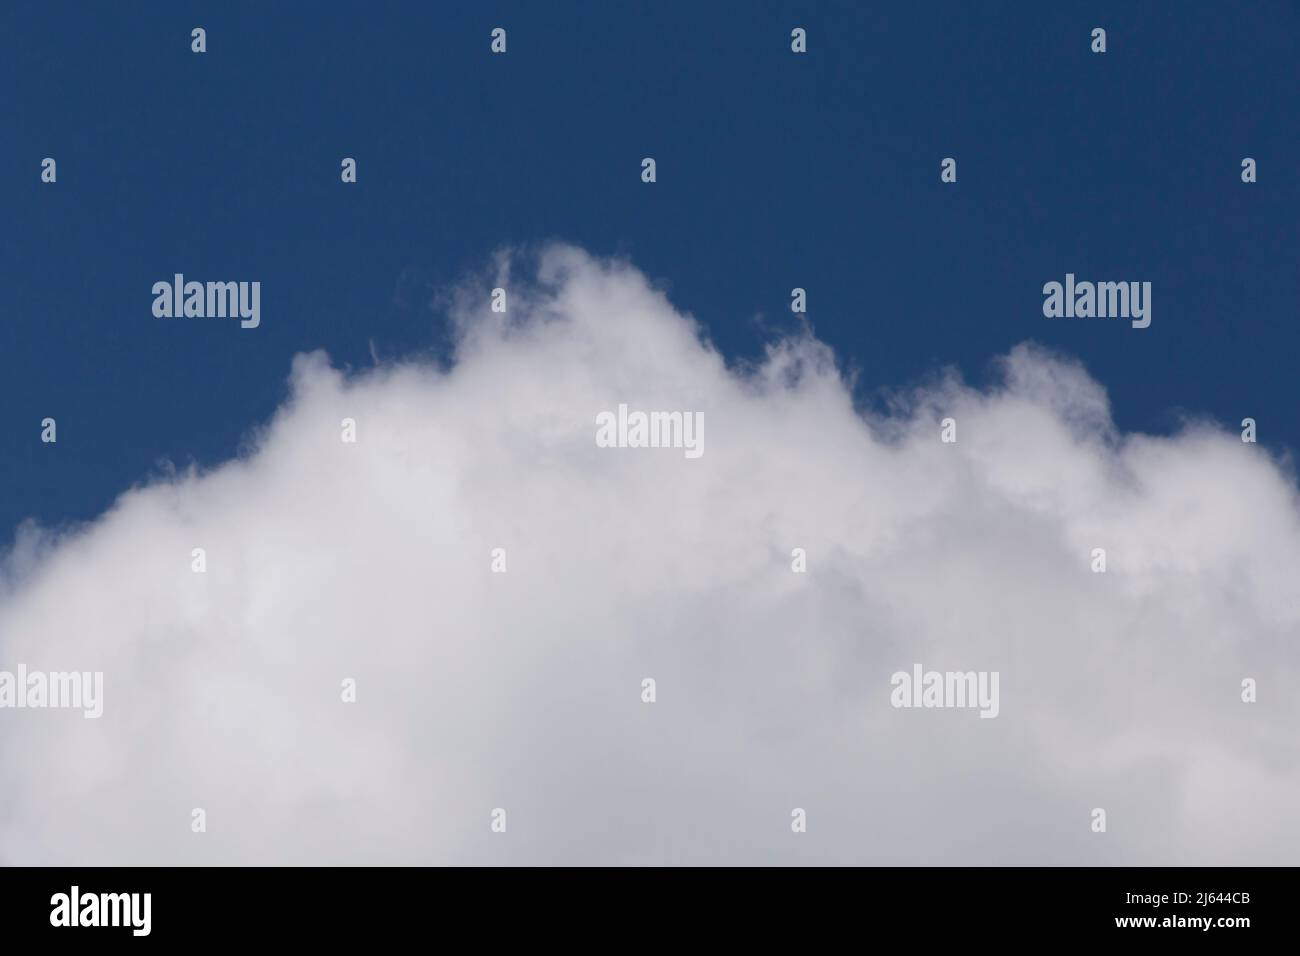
475,690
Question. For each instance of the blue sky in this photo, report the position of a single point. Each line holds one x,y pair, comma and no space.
774,171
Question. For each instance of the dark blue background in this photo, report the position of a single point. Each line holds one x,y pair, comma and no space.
775,170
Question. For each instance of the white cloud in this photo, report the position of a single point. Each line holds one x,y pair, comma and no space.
522,690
